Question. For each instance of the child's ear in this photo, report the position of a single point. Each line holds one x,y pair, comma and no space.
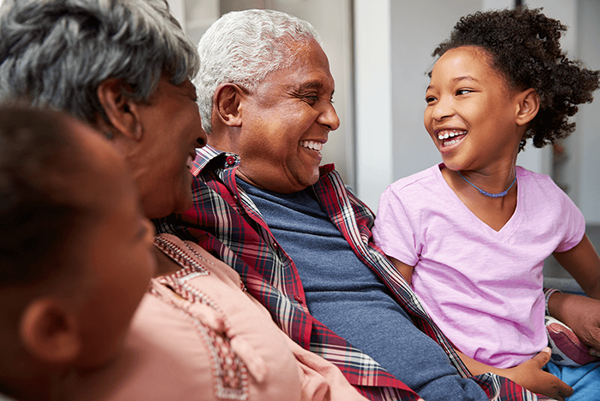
50,332
122,111
228,104
528,106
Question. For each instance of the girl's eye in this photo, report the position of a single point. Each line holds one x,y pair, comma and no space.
463,91
429,99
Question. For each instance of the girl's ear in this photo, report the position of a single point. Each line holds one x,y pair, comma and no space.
50,332
228,104
121,110
528,106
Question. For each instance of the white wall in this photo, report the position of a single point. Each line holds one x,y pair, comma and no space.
373,80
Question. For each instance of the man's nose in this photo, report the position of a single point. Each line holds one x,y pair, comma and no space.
329,118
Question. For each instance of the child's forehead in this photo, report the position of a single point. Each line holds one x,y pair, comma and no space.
466,63
470,54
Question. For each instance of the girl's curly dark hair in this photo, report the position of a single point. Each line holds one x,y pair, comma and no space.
524,47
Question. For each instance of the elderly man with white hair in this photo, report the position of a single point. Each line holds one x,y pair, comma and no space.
300,241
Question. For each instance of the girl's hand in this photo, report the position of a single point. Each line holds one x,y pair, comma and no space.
529,375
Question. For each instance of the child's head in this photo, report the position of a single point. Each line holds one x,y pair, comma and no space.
75,249
523,46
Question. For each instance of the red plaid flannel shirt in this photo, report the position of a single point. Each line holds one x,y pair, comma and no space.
226,222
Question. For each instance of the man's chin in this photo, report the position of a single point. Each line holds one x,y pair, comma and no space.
310,180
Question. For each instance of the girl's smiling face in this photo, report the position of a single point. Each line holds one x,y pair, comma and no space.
471,113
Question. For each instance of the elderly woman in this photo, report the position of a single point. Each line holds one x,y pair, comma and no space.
124,67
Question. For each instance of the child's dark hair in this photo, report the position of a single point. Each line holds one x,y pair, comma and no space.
37,213
524,47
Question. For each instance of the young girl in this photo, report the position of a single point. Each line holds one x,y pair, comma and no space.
76,253
471,234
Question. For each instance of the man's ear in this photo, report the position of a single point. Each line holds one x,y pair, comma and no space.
528,106
227,104
122,111
49,332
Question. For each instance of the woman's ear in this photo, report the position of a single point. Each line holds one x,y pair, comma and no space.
528,106
122,111
227,104
50,332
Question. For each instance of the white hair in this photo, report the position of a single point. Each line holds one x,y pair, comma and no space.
243,47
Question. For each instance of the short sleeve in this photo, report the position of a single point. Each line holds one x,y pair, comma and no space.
573,223
394,230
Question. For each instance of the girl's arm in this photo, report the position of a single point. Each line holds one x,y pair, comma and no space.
581,314
529,374
583,263
404,269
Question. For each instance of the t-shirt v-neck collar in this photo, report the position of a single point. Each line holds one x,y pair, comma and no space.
510,224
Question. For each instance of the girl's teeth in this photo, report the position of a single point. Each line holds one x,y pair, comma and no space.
450,134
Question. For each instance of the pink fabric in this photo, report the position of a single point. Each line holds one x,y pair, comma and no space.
483,288
174,345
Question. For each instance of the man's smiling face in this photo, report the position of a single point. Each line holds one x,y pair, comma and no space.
286,122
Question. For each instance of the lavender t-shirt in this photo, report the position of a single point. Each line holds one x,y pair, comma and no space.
482,287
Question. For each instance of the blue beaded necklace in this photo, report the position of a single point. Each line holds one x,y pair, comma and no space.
482,192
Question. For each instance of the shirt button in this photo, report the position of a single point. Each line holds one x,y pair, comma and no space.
230,160
298,298
275,246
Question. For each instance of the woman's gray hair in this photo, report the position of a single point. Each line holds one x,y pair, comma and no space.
57,52
243,47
